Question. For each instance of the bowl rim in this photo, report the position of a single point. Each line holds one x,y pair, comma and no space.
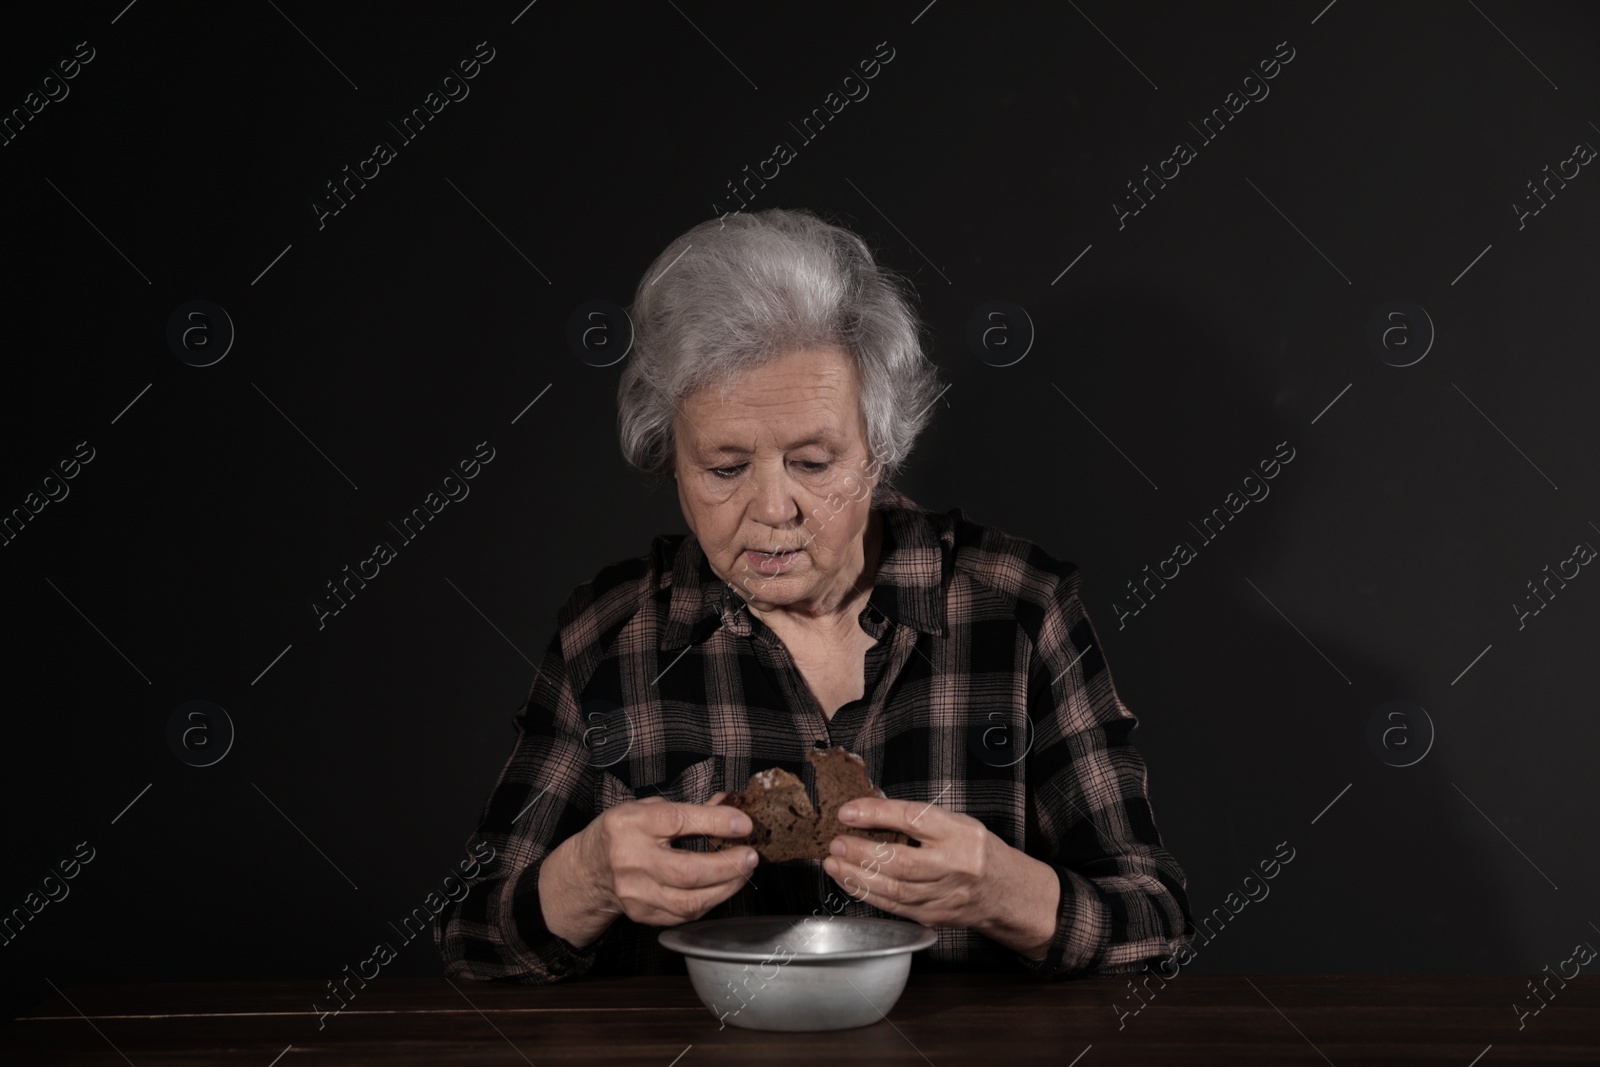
680,939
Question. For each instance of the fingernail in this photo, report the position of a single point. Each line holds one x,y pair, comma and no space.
751,858
836,847
848,812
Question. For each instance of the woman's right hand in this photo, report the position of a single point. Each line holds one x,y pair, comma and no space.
623,863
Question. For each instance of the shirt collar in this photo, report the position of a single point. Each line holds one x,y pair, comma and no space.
908,588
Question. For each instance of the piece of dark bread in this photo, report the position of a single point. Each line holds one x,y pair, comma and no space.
842,777
785,825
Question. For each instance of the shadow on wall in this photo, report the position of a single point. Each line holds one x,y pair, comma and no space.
1250,732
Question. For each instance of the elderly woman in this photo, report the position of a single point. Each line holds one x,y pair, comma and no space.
777,377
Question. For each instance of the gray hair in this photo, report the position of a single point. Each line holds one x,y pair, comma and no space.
737,292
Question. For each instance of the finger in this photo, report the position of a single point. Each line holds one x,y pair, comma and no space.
912,818
880,890
896,898
682,869
907,863
666,906
671,820
659,881
691,904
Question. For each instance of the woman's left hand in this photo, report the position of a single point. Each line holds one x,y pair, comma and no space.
950,881
963,875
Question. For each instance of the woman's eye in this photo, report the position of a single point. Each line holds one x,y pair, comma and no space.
810,467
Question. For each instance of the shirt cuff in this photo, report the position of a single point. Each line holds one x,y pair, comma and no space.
1082,928
553,958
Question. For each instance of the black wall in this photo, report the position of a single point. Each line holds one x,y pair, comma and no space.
376,348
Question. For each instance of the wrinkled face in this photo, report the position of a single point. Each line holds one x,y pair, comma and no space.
779,461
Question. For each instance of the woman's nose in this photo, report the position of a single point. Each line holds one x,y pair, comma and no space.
773,492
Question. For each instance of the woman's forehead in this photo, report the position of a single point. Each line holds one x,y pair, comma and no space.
739,441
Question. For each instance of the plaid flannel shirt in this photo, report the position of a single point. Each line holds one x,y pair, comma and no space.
659,680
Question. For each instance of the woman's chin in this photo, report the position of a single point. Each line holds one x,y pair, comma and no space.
768,591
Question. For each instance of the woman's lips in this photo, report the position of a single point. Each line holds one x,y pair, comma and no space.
771,564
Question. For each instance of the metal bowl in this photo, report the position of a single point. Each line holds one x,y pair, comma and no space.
798,972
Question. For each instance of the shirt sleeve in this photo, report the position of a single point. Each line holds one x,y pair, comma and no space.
1123,899
543,796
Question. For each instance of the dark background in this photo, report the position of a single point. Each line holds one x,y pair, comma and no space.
425,317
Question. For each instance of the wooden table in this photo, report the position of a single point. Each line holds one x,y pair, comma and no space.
944,1020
